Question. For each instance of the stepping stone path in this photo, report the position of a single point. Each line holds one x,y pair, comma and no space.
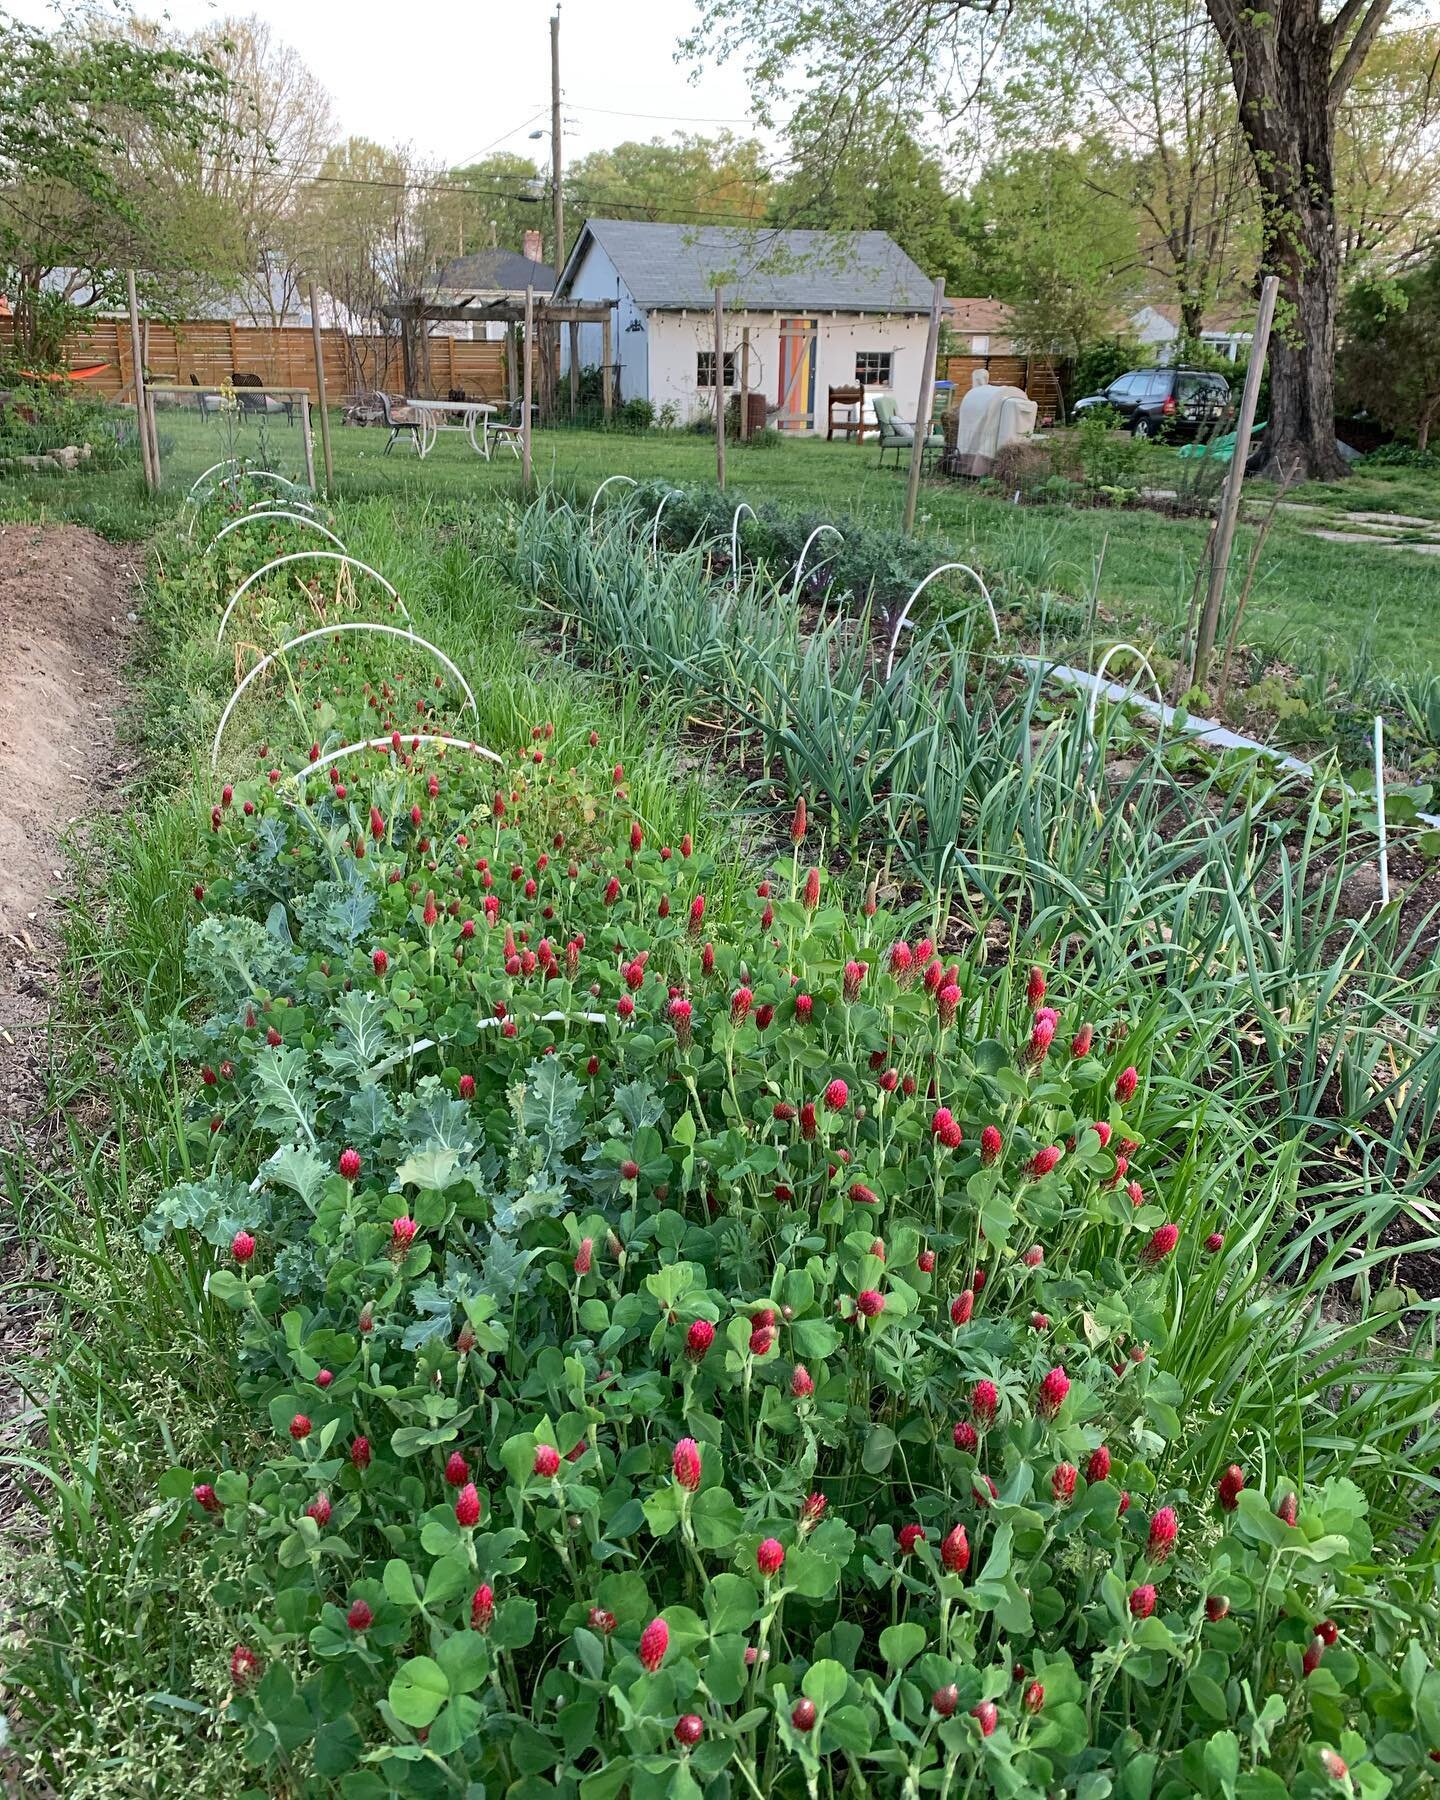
1383,529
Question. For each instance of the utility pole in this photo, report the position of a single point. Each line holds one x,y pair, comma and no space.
555,159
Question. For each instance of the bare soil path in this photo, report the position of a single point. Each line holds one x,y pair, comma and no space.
64,599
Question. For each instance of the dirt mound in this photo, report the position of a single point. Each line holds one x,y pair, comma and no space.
64,598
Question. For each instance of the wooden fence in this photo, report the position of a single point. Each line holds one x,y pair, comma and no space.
212,351
1036,374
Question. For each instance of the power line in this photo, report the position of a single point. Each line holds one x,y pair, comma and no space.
475,155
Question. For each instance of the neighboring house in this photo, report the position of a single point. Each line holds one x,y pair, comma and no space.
823,308
1158,326
492,275
271,297
981,327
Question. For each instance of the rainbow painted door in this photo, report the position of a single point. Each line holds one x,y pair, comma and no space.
797,375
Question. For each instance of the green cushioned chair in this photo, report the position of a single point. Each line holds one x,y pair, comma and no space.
896,434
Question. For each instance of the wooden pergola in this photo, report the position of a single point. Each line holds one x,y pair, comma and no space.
540,319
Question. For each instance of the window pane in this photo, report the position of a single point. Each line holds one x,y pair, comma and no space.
873,367
705,368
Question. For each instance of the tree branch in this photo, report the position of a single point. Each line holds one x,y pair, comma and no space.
1359,46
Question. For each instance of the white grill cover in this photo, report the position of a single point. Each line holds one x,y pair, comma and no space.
989,418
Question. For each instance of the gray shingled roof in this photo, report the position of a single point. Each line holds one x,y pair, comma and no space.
671,266
496,271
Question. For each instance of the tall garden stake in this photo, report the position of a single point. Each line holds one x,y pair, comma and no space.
152,474
719,390
1234,480
320,391
527,376
922,405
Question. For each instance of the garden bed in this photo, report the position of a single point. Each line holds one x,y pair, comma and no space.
572,1235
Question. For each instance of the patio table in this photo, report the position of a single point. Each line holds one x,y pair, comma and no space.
453,415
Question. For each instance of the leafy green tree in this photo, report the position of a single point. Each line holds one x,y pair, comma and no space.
693,179
504,196
74,105
881,178
1059,243
1390,360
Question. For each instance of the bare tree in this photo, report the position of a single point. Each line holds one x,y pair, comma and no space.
375,224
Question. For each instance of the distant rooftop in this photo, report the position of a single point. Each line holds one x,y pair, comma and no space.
495,272
672,267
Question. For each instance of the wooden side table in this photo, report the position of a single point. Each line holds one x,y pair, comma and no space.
848,428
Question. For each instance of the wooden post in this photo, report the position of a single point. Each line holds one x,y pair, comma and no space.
320,391
511,390
142,424
150,426
607,374
719,373
527,375
922,405
744,384
307,440
574,368
1234,481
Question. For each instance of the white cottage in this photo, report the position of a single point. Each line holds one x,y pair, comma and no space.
824,309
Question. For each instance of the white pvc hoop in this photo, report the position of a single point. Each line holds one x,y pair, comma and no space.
289,499
1095,691
256,518
744,506
224,463
601,489
256,475
795,587
299,556
1380,810
388,743
904,619
655,528
329,631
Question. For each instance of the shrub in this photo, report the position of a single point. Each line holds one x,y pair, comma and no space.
1103,362
1109,458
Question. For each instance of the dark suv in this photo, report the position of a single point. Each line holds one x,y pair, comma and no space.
1172,403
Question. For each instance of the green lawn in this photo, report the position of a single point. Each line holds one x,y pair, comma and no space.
1313,601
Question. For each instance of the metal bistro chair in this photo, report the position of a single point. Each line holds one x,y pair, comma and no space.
399,418
511,430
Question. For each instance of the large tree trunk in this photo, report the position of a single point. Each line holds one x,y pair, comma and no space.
1281,61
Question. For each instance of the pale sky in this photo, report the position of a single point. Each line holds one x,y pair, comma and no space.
457,80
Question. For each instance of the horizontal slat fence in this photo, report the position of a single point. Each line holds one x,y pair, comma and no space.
213,351
1036,375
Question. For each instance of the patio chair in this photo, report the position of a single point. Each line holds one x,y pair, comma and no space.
260,403
210,404
898,434
399,417
509,431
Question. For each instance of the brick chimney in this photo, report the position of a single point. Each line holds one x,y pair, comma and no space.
531,247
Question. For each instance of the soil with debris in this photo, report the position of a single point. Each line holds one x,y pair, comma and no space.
64,599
